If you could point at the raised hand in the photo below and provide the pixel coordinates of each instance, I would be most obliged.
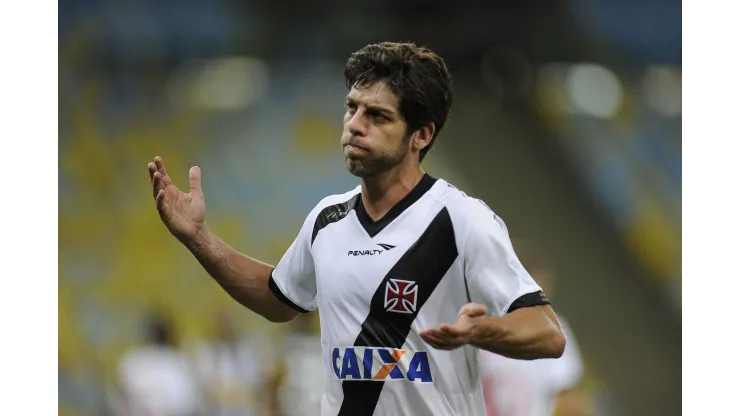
(451, 336)
(183, 213)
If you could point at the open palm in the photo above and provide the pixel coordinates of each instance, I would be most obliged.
(182, 213)
(449, 336)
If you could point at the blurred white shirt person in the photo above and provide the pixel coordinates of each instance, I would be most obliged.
(530, 388)
(543, 387)
(231, 370)
(156, 379)
(300, 387)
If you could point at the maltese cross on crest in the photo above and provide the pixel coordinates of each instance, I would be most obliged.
(400, 296)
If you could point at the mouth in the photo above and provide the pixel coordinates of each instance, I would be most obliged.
(354, 147)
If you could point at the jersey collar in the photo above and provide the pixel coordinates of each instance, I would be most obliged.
(374, 227)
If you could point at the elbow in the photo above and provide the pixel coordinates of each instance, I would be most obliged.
(280, 316)
(556, 345)
(278, 319)
(277, 315)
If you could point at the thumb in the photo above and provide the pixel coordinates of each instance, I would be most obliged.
(473, 310)
(194, 179)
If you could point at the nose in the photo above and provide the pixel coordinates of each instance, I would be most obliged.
(357, 124)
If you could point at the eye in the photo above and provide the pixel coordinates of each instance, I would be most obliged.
(380, 118)
(351, 108)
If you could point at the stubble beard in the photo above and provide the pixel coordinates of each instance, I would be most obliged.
(373, 165)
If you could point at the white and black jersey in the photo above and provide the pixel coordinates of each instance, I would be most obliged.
(378, 284)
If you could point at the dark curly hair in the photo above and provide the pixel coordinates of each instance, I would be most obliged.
(418, 77)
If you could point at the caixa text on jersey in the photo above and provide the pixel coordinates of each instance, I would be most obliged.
(380, 364)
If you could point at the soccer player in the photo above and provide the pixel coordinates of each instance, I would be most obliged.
(410, 275)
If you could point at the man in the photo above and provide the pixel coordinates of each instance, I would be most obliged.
(539, 387)
(299, 361)
(156, 379)
(231, 369)
(410, 275)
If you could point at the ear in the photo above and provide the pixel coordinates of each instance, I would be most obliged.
(423, 136)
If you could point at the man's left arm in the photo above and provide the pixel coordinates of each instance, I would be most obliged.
(508, 314)
(527, 333)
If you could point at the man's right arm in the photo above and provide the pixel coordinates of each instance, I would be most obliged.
(249, 281)
(243, 278)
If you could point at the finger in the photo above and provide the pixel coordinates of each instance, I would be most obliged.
(473, 310)
(453, 338)
(159, 197)
(159, 162)
(157, 184)
(194, 176)
(430, 333)
(434, 332)
(432, 340)
(427, 332)
(152, 168)
(438, 337)
(440, 343)
(160, 165)
(451, 330)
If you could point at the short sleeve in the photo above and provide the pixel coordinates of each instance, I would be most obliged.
(294, 279)
(493, 273)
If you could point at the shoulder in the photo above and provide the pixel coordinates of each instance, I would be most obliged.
(330, 209)
(466, 210)
(336, 203)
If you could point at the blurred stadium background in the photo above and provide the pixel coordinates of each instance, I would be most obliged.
(567, 122)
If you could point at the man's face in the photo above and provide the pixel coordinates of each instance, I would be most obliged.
(374, 138)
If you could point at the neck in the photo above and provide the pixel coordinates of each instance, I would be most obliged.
(381, 192)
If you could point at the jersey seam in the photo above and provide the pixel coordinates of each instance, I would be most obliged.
(321, 206)
(461, 250)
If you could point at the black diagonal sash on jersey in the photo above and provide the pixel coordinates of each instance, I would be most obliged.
(426, 262)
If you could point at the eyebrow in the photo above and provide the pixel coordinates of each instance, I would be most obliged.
(381, 109)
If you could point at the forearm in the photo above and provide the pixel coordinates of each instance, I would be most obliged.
(243, 278)
(527, 334)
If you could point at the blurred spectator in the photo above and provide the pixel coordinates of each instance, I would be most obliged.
(544, 387)
(155, 379)
(299, 381)
(230, 370)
